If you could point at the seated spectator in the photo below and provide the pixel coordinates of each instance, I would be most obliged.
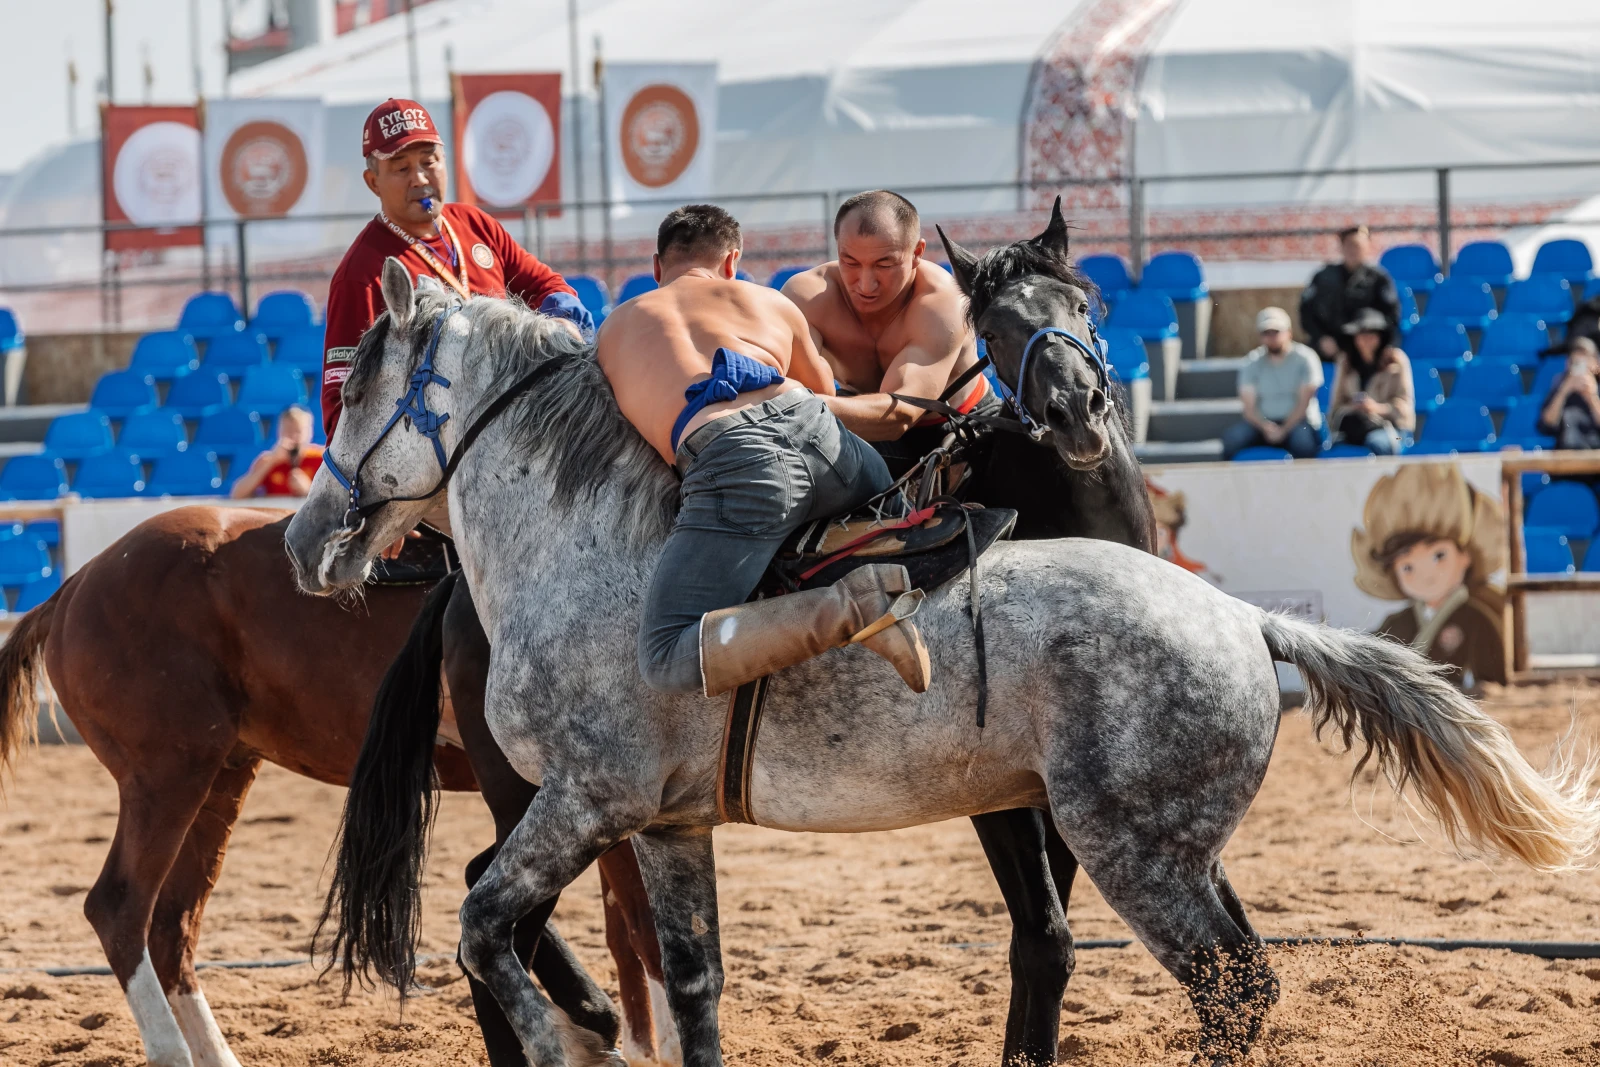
(1571, 413)
(1374, 400)
(285, 469)
(1341, 289)
(1279, 389)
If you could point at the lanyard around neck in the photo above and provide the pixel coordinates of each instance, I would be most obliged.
(459, 284)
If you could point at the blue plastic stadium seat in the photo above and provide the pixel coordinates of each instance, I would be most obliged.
(1109, 274)
(1566, 258)
(302, 350)
(781, 276)
(37, 592)
(1462, 425)
(1567, 507)
(232, 354)
(231, 432)
(283, 312)
(195, 394)
(114, 473)
(1413, 266)
(153, 434)
(11, 335)
(23, 560)
(47, 531)
(1261, 454)
(1125, 352)
(1428, 386)
(1497, 385)
(1521, 428)
(592, 294)
(1438, 343)
(165, 355)
(1462, 301)
(1545, 296)
(1591, 558)
(268, 390)
(638, 283)
(121, 393)
(1177, 274)
(186, 474)
(1484, 261)
(1343, 450)
(75, 436)
(37, 477)
(1150, 314)
(210, 315)
(1409, 315)
(1551, 370)
(743, 275)
(1548, 551)
(1518, 338)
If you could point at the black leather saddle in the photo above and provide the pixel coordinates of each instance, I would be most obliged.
(423, 561)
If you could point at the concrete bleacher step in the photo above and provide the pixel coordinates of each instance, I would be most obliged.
(28, 422)
(1154, 452)
(1209, 379)
(1193, 420)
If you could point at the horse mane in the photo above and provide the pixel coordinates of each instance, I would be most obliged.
(999, 267)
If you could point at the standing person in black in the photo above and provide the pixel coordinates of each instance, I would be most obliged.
(1340, 290)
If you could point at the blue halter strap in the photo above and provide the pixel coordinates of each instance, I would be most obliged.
(412, 407)
(1094, 349)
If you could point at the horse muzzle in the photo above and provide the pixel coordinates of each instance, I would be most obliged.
(1078, 429)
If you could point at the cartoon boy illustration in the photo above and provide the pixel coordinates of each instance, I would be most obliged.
(1432, 539)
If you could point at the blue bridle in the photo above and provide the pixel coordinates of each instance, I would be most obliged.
(1094, 349)
(412, 407)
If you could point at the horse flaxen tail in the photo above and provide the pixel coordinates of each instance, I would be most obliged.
(21, 669)
(1425, 733)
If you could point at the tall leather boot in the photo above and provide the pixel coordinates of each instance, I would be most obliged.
(871, 606)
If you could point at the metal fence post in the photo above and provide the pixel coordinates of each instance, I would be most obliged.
(527, 227)
(538, 223)
(1136, 226)
(244, 271)
(1444, 219)
(827, 226)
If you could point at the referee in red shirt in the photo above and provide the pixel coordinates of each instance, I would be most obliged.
(458, 246)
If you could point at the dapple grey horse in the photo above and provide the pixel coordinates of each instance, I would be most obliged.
(1132, 700)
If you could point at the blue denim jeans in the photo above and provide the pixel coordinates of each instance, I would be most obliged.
(749, 480)
(1302, 442)
(1383, 441)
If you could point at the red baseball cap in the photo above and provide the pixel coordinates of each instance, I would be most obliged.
(393, 125)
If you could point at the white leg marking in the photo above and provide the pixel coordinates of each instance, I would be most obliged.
(636, 1056)
(163, 1041)
(200, 1029)
(667, 1046)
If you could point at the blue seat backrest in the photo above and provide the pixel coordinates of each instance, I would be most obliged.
(1342, 450)
(1437, 340)
(37, 477)
(230, 432)
(1428, 386)
(1125, 350)
(1522, 426)
(1551, 370)
(115, 473)
(1546, 295)
(285, 310)
(1548, 551)
(164, 354)
(235, 351)
(153, 433)
(193, 393)
(1487, 380)
(77, 435)
(46, 530)
(781, 276)
(1566, 506)
(1520, 337)
(1486, 261)
(11, 335)
(1409, 316)
(37, 592)
(1411, 265)
(1459, 420)
(186, 474)
(1566, 257)
(120, 393)
(1109, 274)
(210, 314)
(1178, 274)
(591, 292)
(1461, 298)
(1261, 454)
(1148, 312)
(268, 390)
(301, 349)
(639, 283)
(22, 559)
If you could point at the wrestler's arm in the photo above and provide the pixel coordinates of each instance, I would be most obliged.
(806, 364)
(921, 369)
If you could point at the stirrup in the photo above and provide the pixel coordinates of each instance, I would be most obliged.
(904, 607)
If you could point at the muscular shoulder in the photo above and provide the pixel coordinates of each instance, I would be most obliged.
(809, 288)
(938, 308)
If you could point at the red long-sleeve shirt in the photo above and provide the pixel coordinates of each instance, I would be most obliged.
(496, 266)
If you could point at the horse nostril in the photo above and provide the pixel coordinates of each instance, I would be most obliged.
(1056, 414)
(1097, 403)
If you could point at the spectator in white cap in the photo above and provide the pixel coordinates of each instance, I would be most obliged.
(1278, 387)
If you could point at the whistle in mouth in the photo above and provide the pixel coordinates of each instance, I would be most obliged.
(427, 203)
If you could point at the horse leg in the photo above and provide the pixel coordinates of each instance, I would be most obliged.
(631, 934)
(1042, 959)
(508, 794)
(175, 922)
(638, 1034)
(680, 873)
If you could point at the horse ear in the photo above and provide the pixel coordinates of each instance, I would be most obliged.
(1054, 237)
(398, 296)
(963, 264)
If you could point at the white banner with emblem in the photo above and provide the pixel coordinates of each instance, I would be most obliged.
(264, 160)
(661, 131)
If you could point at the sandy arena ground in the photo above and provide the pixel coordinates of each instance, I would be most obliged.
(871, 949)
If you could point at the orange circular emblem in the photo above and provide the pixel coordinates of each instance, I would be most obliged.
(660, 134)
(263, 169)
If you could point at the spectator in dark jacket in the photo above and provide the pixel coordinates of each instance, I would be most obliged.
(1340, 290)
(1571, 413)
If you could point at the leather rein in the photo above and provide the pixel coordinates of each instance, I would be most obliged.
(413, 408)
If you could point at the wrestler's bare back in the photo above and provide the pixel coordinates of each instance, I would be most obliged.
(656, 345)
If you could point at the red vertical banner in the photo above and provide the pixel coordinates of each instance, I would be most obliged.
(151, 157)
(507, 133)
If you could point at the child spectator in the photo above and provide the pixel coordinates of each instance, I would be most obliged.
(1571, 411)
(1374, 400)
(285, 469)
(1278, 387)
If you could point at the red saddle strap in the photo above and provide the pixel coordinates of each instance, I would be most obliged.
(916, 518)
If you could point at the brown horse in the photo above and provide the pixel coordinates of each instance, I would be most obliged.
(184, 656)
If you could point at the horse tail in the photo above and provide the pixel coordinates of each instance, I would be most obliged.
(1425, 733)
(374, 901)
(21, 669)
